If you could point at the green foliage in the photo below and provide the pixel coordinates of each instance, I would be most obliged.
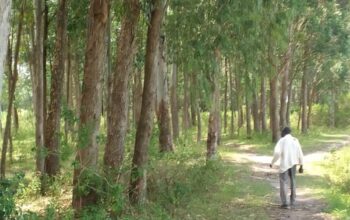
(89, 181)
(8, 190)
(338, 169)
(320, 113)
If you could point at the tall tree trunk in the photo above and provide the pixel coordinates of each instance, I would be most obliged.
(274, 108)
(45, 50)
(248, 116)
(332, 109)
(7, 131)
(214, 115)
(15, 117)
(263, 105)
(138, 178)
(12, 80)
(255, 112)
(232, 105)
(239, 103)
(117, 111)
(284, 99)
(226, 96)
(174, 107)
(163, 107)
(193, 99)
(290, 91)
(77, 86)
(310, 99)
(69, 87)
(303, 97)
(52, 129)
(199, 122)
(5, 12)
(137, 95)
(11, 145)
(186, 114)
(248, 103)
(90, 112)
(39, 85)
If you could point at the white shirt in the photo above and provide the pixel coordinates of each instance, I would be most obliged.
(288, 150)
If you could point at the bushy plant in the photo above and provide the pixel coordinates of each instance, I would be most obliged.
(8, 190)
(339, 169)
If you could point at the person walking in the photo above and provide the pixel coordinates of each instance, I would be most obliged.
(288, 150)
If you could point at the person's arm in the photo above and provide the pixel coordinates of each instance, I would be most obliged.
(276, 154)
(300, 158)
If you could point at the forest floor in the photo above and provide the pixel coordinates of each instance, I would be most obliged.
(310, 203)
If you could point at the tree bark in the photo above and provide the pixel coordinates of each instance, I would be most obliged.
(284, 99)
(117, 112)
(5, 12)
(310, 99)
(274, 121)
(193, 99)
(77, 86)
(186, 114)
(39, 86)
(225, 96)
(214, 115)
(90, 112)
(290, 91)
(15, 117)
(232, 105)
(52, 129)
(199, 122)
(138, 178)
(263, 104)
(137, 96)
(68, 88)
(255, 110)
(12, 80)
(303, 97)
(248, 121)
(163, 107)
(248, 105)
(45, 50)
(239, 103)
(174, 107)
(332, 109)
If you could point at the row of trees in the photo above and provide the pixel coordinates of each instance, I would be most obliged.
(247, 63)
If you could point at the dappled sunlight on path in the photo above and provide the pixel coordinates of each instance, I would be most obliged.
(309, 205)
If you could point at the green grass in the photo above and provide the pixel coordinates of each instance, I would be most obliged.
(180, 185)
(336, 171)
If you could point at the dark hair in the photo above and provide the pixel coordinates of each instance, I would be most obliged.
(286, 131)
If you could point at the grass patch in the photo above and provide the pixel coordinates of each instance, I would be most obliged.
(337, 169)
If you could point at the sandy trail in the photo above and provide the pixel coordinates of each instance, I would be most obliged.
(308, 205)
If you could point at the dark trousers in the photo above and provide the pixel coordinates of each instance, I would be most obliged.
(284, 177)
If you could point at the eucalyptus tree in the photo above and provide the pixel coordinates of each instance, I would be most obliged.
(118, 102)
(323, 56)
(174, 102)
(162, 99)
(12, 74)
(52, 128)
(38, 84)
(84, 193)
(5, 11)
(138, 177)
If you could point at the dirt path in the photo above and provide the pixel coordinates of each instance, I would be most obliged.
(308, 205)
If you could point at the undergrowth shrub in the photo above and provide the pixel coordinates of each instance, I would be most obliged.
(8, 190)
(339, 169)
(176, 179)
(338, 173)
